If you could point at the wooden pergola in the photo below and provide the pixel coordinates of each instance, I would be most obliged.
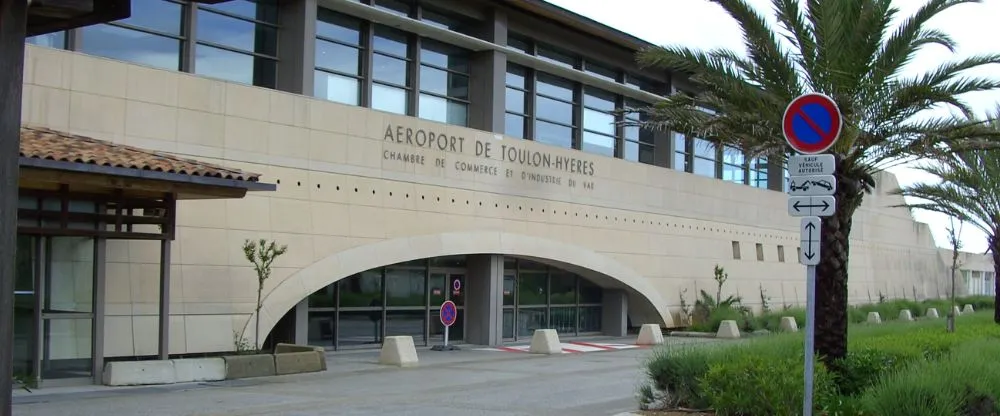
(18, 20)
(135, 192)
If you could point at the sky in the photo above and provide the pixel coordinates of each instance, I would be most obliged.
(704, 25)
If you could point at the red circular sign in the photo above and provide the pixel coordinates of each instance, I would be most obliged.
(449, 313)
(812, 123)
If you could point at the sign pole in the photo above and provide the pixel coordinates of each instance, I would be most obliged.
(807, 405)
(446, 336)
(811, 125)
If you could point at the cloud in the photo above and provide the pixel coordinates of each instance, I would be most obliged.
(704, 25)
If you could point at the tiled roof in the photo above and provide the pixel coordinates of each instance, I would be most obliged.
(43, 143)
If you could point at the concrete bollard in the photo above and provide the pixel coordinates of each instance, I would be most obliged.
(955, 311)
(968, 309)
(874, 318)
(728, 329)
(545, 341)
(905, 315)
(650, 334)
(398, 351)
(788, 324)
(932, 313)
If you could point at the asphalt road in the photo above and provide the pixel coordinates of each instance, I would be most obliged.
(461, 383)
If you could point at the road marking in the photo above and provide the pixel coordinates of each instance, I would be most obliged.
(572, 347)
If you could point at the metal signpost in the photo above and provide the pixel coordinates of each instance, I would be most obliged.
(811, 125)
(449, 313)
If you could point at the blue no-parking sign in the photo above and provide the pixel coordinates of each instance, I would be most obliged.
(812, 123)
(449, 313)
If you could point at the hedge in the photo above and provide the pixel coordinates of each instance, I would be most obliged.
(763, 376)
(888, 310)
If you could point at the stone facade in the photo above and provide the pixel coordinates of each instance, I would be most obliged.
(359, 188)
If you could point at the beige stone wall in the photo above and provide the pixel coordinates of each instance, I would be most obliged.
(341, 206)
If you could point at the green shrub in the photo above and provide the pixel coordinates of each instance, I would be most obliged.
(674, 372)
(978, 302)
(964, 382)
(756, 385)
(715, 318)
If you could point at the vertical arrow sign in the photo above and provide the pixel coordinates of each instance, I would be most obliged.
(809, 240)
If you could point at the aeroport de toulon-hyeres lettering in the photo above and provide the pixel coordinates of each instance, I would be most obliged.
(506, 153)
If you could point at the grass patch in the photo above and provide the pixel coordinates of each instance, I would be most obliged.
(882, 374)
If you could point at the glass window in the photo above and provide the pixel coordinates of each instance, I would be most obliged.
(397, 7)
(514, 125)
(515, 100)
(554, 87)
(405, 286)
(389, 70)
(454, 23)
(238, 41)
(338, 58)
(638, 152)
(758, 172)
(704, 167)
(363, 290)
(517, 76)
(324, 298)
(150, 36)
(55, 40)
(444, 83)
(557, 57)
(133, 46)
(553, 110)
(606, 73)
(442, 110)
(733, 164)
(599, 122)
(563, 287)
(155, 15)
(598, 144)
(553, 134)
(336, 27)
(444, 56)
(532, 284)
(519, 43)
(389, 99)
(391, 42)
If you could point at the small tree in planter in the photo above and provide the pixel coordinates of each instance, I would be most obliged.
(261, 254)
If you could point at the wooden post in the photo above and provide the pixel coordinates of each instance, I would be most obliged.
(13, 20)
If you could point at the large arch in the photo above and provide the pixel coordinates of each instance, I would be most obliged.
(358, 259)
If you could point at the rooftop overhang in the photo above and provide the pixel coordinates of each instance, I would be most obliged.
(42, 174)
(51, 160)
(47, 16)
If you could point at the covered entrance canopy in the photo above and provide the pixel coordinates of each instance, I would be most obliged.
(75, 186)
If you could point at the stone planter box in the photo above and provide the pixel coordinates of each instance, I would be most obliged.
(287, 359)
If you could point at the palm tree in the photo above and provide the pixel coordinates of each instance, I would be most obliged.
(970, 191)
(847, 50)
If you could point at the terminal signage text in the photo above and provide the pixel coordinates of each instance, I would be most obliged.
(507, 153)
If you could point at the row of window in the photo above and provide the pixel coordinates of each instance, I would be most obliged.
(363, 63)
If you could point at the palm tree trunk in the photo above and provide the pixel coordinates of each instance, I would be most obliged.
(995, 247)
(831, 273)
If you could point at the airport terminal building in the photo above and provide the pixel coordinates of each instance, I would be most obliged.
(408, 153)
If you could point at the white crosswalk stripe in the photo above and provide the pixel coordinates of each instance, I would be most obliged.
(568, 347)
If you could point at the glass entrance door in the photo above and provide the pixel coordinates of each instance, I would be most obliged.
(67, 310)
(446, 285)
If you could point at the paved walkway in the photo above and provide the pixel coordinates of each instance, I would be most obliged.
(466, 382)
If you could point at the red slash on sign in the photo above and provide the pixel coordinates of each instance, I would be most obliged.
(812, 123)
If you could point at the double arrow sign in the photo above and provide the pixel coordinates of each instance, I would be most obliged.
(811, 186)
